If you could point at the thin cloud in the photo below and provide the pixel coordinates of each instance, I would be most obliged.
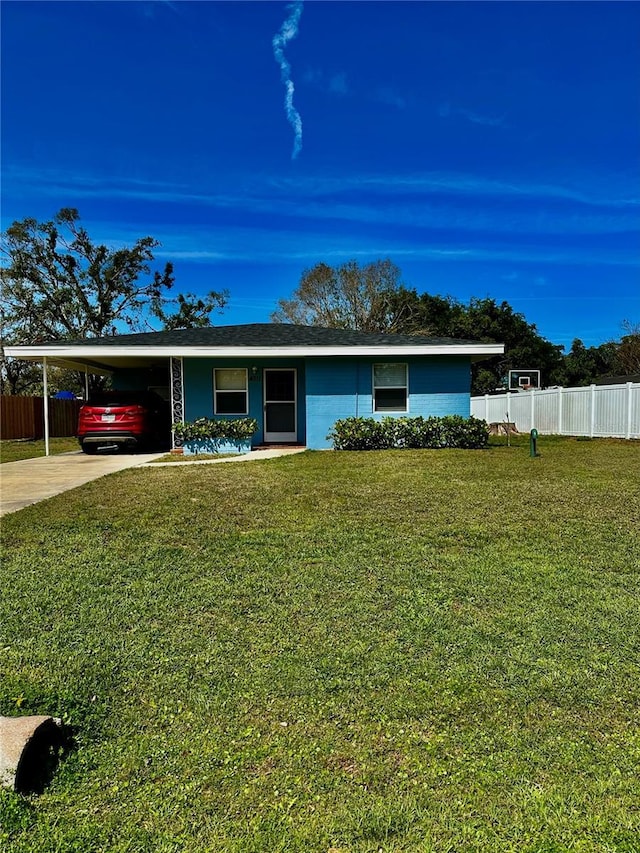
(447, 111)
(290, 246)
(496, 209)
(421, 187)
(289, 31)
(338, 84)
(197, 244)
(477, 118)
(26, 176)
(150, 8)
(260, 244)
(332, 84)
(314, 76)
(212, 245)
(456, 184)
(387, 95)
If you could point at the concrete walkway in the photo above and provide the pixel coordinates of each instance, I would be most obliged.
(252, 456)
(32, 480)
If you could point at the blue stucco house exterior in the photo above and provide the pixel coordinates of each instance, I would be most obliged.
(296, 381)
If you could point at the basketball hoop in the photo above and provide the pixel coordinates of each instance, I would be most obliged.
(524, 379)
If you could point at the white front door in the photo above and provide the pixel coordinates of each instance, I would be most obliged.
(280, 405)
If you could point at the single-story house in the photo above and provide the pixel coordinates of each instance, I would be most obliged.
(296, 381)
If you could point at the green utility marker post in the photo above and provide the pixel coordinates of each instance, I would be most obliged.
(533, 441)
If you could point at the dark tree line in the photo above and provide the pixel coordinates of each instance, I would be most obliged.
(373, 298)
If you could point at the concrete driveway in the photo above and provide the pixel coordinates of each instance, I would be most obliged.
(31, 480)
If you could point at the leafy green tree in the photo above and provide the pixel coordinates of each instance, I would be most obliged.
(583, 365)
(524, 347)
(18, 377)
(57, 284)
(481, 320)
(424, 313)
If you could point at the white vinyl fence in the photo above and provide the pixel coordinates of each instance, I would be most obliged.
(597, 410)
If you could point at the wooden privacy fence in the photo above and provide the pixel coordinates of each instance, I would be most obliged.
(23, 417)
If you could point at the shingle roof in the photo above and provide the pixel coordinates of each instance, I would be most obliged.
(255, 340)
(261, 335)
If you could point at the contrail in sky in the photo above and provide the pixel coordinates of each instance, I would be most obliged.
(289, 30)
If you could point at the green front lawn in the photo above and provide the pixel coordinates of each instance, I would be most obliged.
(15, 450)
(394, 651)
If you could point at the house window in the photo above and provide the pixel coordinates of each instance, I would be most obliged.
(390, 388)
(230, 395)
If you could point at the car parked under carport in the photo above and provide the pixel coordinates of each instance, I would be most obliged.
(124, 420)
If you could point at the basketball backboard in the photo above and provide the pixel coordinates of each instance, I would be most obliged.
(523, 380)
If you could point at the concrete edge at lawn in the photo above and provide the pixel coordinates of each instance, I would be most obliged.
(252, 456)
(29, 481)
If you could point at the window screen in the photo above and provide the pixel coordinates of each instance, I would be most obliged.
(389, 387)
(230, 391)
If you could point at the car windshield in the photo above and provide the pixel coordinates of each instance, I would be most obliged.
(123, 398)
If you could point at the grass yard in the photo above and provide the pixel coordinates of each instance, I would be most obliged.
(14, 450)
(356, 652)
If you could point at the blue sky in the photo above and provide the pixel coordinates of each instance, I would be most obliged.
(488, 149)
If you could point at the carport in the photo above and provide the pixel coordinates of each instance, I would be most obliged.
(104, 361)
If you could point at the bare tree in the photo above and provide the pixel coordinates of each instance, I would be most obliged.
(628, 355)
(348, 296)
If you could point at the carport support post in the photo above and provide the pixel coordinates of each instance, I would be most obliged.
(45, 392)
(86, 384)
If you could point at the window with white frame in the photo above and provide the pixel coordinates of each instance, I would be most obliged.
(390, 388)
(230, 391)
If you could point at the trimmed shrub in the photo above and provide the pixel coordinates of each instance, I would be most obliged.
(238, 428)
(432, 433)
(359, 434)
(466, 433)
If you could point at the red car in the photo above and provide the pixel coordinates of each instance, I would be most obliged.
(124, 420)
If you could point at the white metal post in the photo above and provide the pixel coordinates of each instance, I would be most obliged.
(86, 384)
(593, 411)
(486, 408)
(629, 408)
(45, 391)
(533, 408)
(560, 411)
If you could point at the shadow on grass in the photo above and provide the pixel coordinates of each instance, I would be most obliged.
(42, 755)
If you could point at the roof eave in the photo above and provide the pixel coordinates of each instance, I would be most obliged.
(96, 353)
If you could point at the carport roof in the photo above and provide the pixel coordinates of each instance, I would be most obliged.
(250, 340)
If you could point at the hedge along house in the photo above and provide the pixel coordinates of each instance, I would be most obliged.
(296, 381)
